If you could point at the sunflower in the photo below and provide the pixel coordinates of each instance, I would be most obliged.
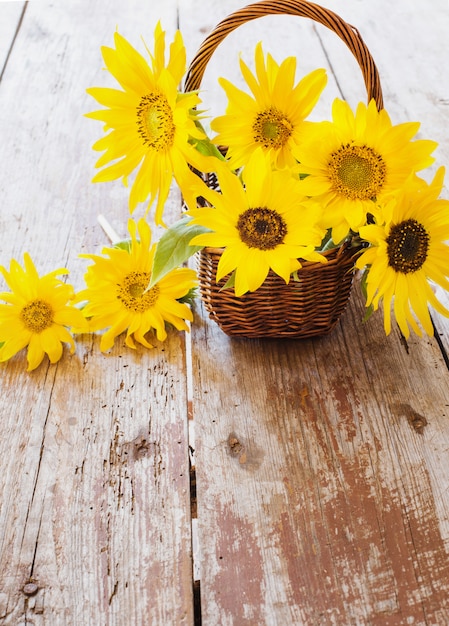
(37, 314)
(407, 251)
(150, 122)
(118, 297)
(358, 158)
(262, 224)
(273, 117)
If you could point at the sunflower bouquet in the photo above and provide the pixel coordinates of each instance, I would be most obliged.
(284, 195)
(287, 193)
(281, 211)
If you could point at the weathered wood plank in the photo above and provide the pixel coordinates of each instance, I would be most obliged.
(97, 515)
(10, 16)
(442, 323)
(328, 506)
(319, 502)
(94, 479)
(322, 498)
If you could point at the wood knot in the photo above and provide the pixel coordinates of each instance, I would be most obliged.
(142, 448)
(235, 447)
(417, 422)
(30, 589)
(248, 455)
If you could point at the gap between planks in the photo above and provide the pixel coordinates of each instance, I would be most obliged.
(114, 238)
(193, 497)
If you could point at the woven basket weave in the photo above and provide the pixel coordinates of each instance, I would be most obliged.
(313, 304)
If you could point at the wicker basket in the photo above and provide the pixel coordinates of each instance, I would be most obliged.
(313, 304)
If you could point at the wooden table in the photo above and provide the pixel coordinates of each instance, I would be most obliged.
(321, 467)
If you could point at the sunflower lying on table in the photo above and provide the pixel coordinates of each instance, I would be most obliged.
(38, 313)
(289, 189)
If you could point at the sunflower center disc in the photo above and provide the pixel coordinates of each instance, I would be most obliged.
(37, 316)
(131, 292)
(261, 228)
(357, 172)
(407, 246)
(155, 121)
(272, 128)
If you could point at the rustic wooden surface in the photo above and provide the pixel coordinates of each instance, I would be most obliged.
(95, 487)
(322, 467)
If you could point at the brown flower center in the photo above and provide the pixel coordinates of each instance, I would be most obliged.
(407, 246)
(357, 172)
(131, 292)
(155, 121)
(261, 228)
(272, 128)
(37, 316)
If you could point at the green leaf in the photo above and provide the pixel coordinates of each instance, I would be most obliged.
(126, 245)
(207, 148)
(368, 312)
(190, 296)
(185, 94)
(295, 276)
(230, 282)
(327, 242)
(173, 248)
(363, 284)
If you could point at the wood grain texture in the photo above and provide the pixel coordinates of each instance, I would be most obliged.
(94, 479)
(442, 323)
(322, 465)
(10, 16)
(336, 504)
(95, 507)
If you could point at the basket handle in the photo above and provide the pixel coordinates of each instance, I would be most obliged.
(302, 8)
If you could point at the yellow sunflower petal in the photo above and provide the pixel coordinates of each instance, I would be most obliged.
(150, 123)
(407, 253)
(35, 354)
(14, 345)
(117, 294)
(269, 118)
(359, 156)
